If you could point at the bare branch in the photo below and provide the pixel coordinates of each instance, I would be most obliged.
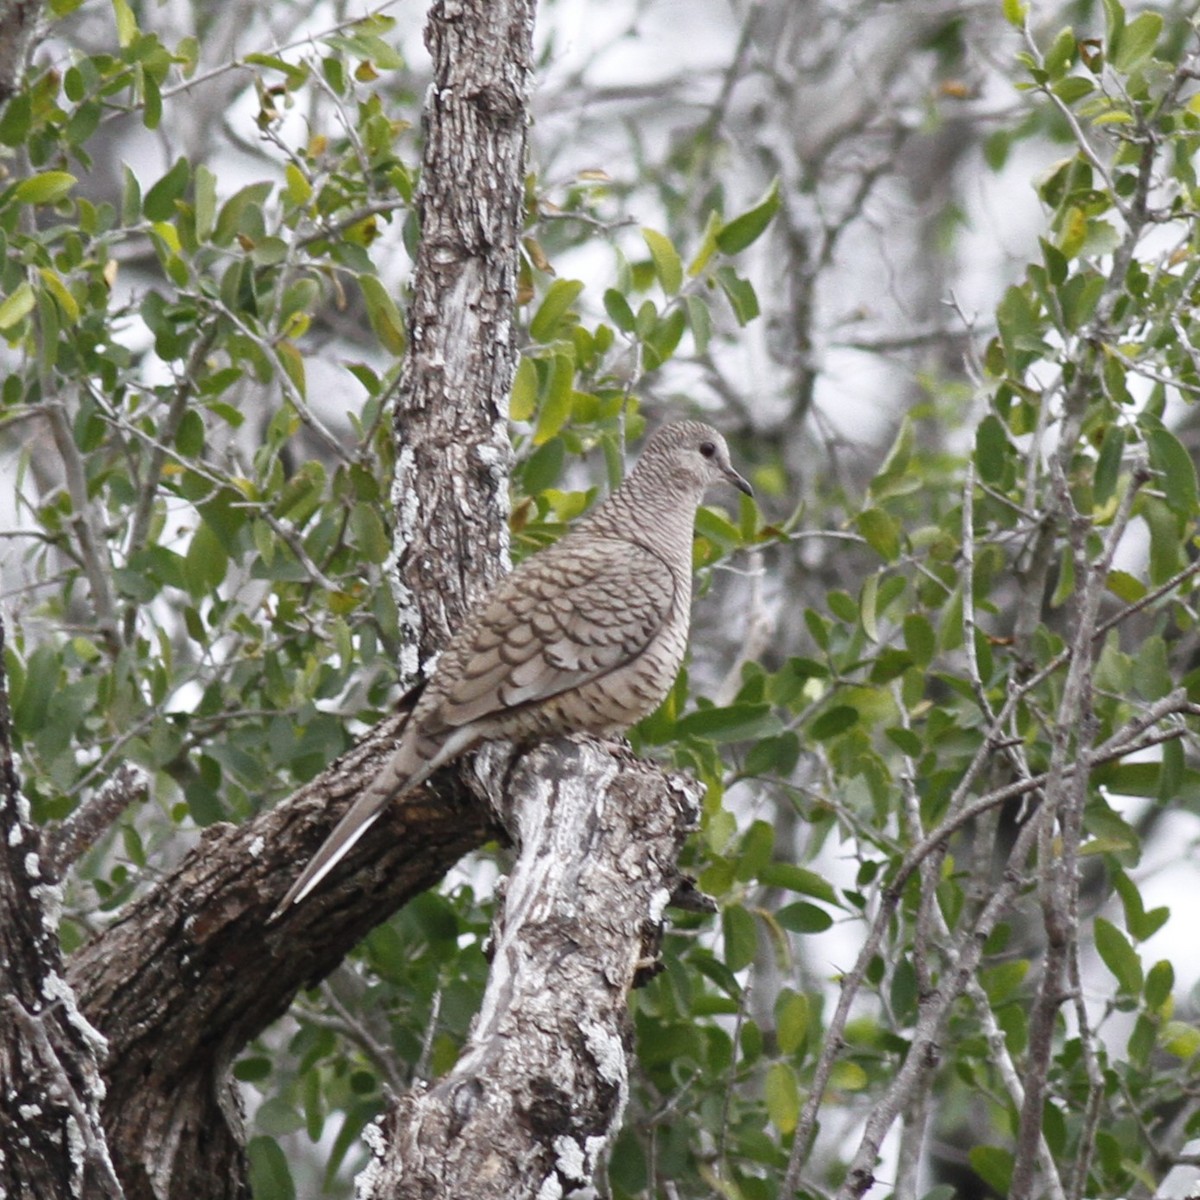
(66, 841)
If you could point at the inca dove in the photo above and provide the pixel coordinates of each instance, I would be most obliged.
(586, 636)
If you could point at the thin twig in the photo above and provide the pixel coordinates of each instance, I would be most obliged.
(277, 51)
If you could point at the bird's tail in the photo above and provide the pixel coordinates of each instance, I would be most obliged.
(361, 815)
(413, 762)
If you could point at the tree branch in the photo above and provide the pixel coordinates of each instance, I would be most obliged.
(65, 842)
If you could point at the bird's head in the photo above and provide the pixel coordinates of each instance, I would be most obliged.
(691, 454)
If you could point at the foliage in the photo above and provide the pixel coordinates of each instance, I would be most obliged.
(934, 766)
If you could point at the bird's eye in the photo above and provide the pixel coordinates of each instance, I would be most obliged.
(708, 449)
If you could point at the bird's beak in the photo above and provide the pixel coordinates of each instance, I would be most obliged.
(738, 482)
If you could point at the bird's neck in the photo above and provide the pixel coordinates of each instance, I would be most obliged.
(659, 518)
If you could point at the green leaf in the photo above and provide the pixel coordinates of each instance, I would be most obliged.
(802, 917)
(523, 403)
(237, 208)
(866, 607)
(151, 101)
(708, 245)
(667, 264)
(205, 563)
(131, 196)
(47, 187)
(661, 340)
(127, 28)
(1136, 41)
(1166, 538)
(270, 1176)
(1003, 981)
(993, 1165)
(554, 308)
(1017, 320)
(736, 723)
(300, 296)
(1062, 53)
(253, 1069)
(1014, 12)
(556, 405)
(1160, 982)
(31, 700)
(189, 437)
(1180, 1039)
(740, 294)
(747, 228)
(618, 310)
(1108, 465)
(544, 467)
(1119, 956)
(781, 1094)
(848, 1076)
(792, 1016)
(16, 116)
(1172, 776)
(774, 755)
(159, 202)
(299, 190)
(741, 937)
(205, 188)
(383, 314)
(369, 533)
(1170, 458)
(16, 307)
(757, 845)
(919, 639)
(890, 479)
(833, 721)
(991, 449)
(292, 362)
(797, 879)
(1125, 586)
(1140, 923)
(714, 527)
(700, 320)
(882, 532)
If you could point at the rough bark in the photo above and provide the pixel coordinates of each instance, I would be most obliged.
(191, 971)
(52, 1141)
(453, 454)
(540, 1088)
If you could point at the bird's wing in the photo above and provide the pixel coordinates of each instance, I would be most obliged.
(563, 618)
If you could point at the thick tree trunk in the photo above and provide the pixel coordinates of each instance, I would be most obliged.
(52, 1141)
(540, 1089)
(453, 451)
